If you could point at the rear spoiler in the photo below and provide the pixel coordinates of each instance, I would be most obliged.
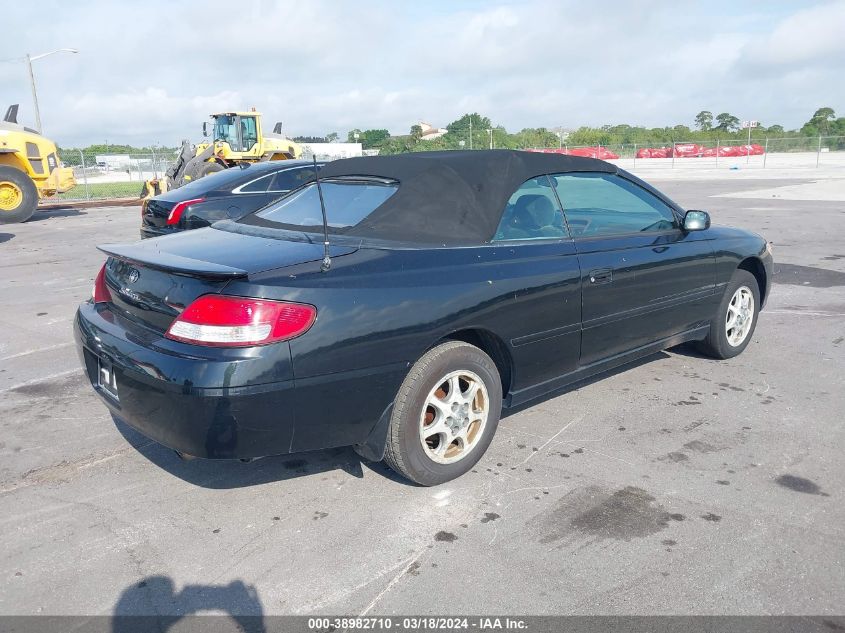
(162, 260)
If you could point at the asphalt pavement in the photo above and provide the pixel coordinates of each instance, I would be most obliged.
(680, 485)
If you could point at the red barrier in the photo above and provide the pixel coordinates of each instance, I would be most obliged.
(694, 150)
(687, 150)
(602, 153)
(654, 152)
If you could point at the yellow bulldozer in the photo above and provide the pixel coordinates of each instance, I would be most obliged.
(30, 169)
(234, 138)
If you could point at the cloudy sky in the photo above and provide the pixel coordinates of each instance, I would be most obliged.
(151, 72)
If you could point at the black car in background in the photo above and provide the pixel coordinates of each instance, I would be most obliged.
(225, 195)
(457, 284)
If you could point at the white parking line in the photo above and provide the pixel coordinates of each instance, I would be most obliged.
(552, 438)
(36, 351)
(35, 381)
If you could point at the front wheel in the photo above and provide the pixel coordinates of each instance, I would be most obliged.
(445, 414)
(732, 327)
(18, 196)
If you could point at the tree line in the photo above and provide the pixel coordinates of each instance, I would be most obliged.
(474, 131)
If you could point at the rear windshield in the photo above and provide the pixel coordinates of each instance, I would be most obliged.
(227, 178)
(347, 204)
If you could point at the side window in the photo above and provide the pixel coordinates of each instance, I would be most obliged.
(605, 204)
(347, 204)
(256, 186)
(532, 213)
(249, 133)
(290, 179)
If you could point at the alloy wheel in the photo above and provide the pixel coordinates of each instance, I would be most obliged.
(454, 416)
(740, 316)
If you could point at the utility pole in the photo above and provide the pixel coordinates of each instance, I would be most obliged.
(470, 132)
(29, 60)
(34, 93)
(490, 130)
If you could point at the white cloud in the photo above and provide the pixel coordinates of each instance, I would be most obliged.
(325, 66)
(810, 37)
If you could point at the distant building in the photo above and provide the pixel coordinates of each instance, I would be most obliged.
(429, 132)
(331, 151)
(112, 162)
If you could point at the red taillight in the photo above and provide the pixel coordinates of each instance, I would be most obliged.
(101, 292)
(221, 321)
(177, 211)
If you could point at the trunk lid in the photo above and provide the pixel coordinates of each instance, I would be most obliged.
(154, 296)
(152, 281)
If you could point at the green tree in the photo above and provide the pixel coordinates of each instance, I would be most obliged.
(350, 136)
(474, 123)
(527, 137)
(821, 120)
(332, 137)
(374, 139)
(416, 133)
(704, 120)
(681, 133)
(727, 122)
(369, 139)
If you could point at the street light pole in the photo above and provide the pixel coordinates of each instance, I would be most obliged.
(34, 93)
(490, 130)
(29, 60)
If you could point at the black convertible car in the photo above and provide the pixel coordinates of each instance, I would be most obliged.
(228, 194)
(456, 284)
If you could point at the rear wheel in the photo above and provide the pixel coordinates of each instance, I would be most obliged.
(733, 326)
(18, 196)
(445, 414)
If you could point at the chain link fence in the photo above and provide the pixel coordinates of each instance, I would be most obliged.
(111, 176)
(114, 176)
(802, 152)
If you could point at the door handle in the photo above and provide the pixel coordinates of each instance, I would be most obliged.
(601, 276)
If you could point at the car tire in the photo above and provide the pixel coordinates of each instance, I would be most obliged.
(741, 301)
(445, 414)
(18, 196)
(209, 168)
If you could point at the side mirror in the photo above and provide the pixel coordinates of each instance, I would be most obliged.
(205, 129)
(696, 221)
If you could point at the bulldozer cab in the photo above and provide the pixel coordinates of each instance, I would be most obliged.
(241, 131)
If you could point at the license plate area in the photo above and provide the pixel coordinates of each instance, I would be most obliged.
(106, 380)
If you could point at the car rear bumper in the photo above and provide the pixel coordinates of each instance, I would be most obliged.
(157, 231)
(167, 395)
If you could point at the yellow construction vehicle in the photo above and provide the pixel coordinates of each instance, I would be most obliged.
(30, 169)
(235, 138)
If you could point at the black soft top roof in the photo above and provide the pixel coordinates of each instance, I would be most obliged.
(450, 197)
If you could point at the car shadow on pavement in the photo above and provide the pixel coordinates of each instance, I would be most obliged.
(227, 474)
(690, 351)
(230, 473)
(5, 237)
(55, 212)
(586, 381)
(152, 604)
